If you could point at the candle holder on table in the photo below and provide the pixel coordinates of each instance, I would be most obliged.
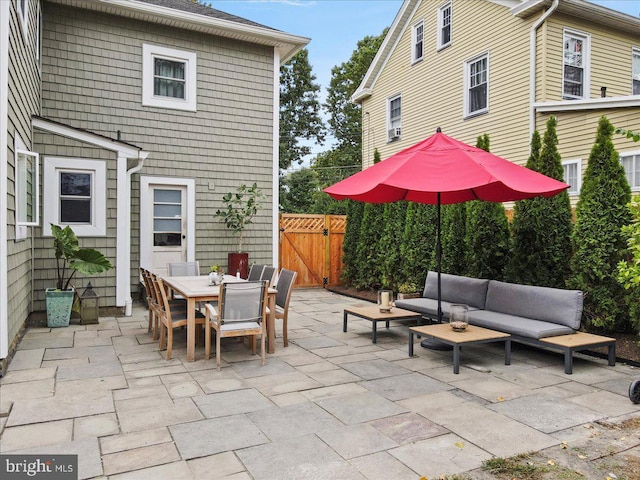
(385, 300)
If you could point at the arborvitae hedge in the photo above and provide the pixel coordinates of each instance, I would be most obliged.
(597, 239)
(391, 262)
(542, 227)
(418, 242)
(453, 239)
(487, 235)
(367, 252)
(350, 241)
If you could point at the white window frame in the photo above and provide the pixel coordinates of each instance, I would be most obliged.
(393, 122)
(635, 179)
(414, 41)
(149, 54)
(578, 164)
(51, 197)
(441, 11)
(467, 85)
(586, 63)
(23, 16)
(21, 230)
(635, 53)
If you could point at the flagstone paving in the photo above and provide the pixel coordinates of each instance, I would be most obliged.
(332, 405)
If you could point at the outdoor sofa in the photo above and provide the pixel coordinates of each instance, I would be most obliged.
(533, 315)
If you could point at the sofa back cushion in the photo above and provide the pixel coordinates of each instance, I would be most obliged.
(456, 289)
(563, 307)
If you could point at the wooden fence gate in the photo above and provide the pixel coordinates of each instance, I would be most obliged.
(312, 246)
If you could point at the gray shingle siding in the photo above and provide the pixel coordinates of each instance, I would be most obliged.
(92, 79)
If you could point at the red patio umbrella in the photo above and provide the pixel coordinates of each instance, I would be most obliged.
(443, 170)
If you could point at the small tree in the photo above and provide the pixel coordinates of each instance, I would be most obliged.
(368, 271)
(454, 252)
(597, 239)
(418, 242)
(487, 234)
(629, 270)
(240, 208)
(391, 261)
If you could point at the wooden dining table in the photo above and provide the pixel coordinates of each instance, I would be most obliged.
(196, 289)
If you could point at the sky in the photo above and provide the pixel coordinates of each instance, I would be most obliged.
(336, 26)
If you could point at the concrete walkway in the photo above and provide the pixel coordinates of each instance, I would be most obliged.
(330, 406)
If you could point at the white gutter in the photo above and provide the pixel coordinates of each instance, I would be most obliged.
(4, 113)
(532, 64)
(276, 159)
(123, 228)
(587, 104)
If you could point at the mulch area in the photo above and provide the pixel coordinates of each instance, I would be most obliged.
(627, 344)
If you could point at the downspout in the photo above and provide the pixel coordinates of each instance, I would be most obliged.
(275, 219)
(136, 168)
(532, 63)
(5, 11)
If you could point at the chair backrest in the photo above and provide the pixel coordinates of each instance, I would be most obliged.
(285, 285)
(243, 301)
(255, 272)
(268, 274)
(144, 274)
(184, 269)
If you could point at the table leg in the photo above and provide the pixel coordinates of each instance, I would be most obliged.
(507, 351)
(410, 343)
(375, 331)
(191, 329)
(612, 355)
(344, 322)
(456, 358)
(271, 325)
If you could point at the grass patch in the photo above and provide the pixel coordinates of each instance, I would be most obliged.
(519, 467)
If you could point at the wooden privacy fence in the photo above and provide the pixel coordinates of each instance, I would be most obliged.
(312, 246)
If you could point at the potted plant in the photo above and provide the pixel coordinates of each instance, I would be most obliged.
(240, 208)
(70, 258)
(216, 275)
(408, 290)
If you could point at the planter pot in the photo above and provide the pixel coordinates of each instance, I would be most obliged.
(59, 304)
(238, 261)
(406, 296)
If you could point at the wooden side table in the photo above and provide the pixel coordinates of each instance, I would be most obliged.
(580, 341)
(374, 315)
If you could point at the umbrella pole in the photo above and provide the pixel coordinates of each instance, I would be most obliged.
(433, 343)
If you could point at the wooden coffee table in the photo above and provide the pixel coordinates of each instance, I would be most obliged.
(473, 334)
(374, 315)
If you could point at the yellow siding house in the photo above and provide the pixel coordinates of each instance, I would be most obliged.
(502, 67)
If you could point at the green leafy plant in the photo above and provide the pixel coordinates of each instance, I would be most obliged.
(70, 258)
(215, 268)
(629, 270)
(240, 208)
(407, 287)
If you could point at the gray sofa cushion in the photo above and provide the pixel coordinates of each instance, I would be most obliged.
(515, 325)
(456, 289)
(563, 307)
(426, 306)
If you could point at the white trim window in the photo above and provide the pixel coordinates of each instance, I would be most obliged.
(75, 192)
(394, 118)
(635, 71)
(476, 76)
(27, 189)
(22, 6)
(572, 175)
(575, 65)
(168, 78)
(417, 42)
(444, 25)
(631, 164)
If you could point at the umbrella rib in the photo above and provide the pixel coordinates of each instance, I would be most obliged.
(473, 191)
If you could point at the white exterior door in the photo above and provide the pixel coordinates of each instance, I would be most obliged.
(166, 223)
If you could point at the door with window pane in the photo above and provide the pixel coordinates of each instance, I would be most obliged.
(168, 226)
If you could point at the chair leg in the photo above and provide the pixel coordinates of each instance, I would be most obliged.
(262, 349)
(207, 341)
(163, 339)
(218, 350)
(253, 344)
(150, 320)
(285, 337)
(156, 327)
(169, 342)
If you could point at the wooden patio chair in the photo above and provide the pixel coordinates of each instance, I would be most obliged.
(255, 272)
(269, 274)
(286, 280)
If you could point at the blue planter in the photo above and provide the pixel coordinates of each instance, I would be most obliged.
(59, 303)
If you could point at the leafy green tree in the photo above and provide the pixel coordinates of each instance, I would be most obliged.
(629, 269)
(299, 110)
(369, 271)
(296, 191)
(487, 234)
(597, 238)
(542, 228)
(350, 242)
(418, 242)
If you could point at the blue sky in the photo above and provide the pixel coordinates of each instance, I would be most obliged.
(335, 26)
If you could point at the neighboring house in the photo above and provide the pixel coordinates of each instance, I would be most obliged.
(129, 120)
(502, 67)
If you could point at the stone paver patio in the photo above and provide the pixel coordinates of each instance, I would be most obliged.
(330, 406)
